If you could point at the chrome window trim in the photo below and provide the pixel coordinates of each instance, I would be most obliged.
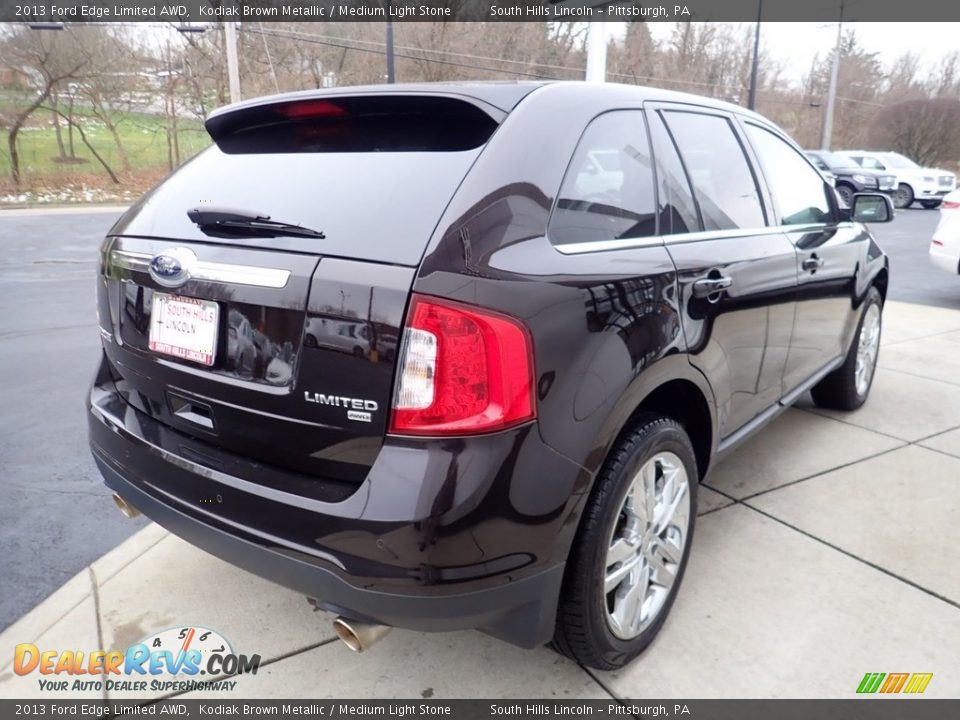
(700, 235)
(209, 271)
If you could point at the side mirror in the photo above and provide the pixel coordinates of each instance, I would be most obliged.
(871, 208)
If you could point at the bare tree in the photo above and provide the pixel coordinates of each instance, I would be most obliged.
(47, 60)
(111, 81)
(925, 130)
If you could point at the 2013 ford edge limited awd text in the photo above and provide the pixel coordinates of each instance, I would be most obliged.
(458, 356)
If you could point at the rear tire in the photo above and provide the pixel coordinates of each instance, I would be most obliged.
(624, 571)
(904, 197)
(847, 387)
(931, 204)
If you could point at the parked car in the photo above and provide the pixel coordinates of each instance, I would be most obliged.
(574, 357)
(914, 183)
(945, 245)
(849, 178)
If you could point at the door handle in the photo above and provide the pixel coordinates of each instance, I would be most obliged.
(812, 263)
(708, 286)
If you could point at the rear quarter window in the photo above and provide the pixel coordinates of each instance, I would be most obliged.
(607, 191)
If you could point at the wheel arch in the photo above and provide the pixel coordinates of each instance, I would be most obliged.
(673, 388)
(881, 281)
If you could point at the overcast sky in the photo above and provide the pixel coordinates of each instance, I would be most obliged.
(795, 44)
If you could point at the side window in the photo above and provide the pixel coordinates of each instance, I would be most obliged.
(607, 192)
(798, 190)
(677, 212)
(723, 182)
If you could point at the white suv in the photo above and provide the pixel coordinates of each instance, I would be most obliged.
(914, 183)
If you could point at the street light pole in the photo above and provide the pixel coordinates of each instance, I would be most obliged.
(233, 69)
(597, 52)
(827, 136)
(752, 98)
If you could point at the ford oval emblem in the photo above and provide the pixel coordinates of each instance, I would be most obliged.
(171, 268)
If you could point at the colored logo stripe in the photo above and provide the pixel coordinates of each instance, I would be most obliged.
(870, 682)
(918, 682)
(894, 682)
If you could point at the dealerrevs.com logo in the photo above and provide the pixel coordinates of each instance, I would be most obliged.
(173, 660)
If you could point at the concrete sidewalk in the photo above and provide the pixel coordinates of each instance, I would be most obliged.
(826, 549)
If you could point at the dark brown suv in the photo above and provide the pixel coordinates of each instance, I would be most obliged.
(457, 356)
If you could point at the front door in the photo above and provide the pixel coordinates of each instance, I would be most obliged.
(827, 254)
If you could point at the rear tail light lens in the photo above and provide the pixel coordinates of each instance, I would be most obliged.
(462, 370)
(951, 204)
(937, 243)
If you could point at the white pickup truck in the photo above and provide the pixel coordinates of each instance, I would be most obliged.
(914, 183)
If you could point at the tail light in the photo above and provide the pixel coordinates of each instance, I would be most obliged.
(462, 370)
(951, 204)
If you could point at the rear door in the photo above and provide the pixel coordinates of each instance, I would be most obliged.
(827, 252)
(737, 271)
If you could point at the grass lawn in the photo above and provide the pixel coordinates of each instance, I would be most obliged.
(143, 136)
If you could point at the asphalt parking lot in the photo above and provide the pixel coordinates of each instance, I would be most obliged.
(777, 544)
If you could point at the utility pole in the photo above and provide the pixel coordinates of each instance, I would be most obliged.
(233, 69)
(752, 98)
(391, 76)
(827, 135)
(596, 52)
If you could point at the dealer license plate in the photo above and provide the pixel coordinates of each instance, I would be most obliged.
(184, 327)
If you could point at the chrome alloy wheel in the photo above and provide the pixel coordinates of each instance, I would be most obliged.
(646, 545)
(868, 347)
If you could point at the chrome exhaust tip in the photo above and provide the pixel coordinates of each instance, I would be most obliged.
(128, 510)
(358, 635)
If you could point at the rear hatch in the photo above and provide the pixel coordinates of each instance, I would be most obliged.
(280, 345)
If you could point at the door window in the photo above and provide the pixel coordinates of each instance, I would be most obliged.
(723, 183)
(677, 211)
(798, 190)
(869, 162)
(607, 192)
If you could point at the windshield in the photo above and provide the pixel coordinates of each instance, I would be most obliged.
(896, 160)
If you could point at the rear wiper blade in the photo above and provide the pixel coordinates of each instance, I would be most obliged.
(227, 223)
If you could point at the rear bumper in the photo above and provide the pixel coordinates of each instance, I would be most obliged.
(444, 570)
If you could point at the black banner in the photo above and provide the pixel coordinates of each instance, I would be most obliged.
(858, 709)
(182, 11)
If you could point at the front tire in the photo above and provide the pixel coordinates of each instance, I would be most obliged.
(903, 197)
(847, 387)
(931, 204)
(846, 193)
(631, 549)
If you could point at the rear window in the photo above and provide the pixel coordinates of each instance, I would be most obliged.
(387, 123)
(373, 174)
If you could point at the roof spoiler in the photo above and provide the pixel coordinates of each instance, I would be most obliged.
(364, 121)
